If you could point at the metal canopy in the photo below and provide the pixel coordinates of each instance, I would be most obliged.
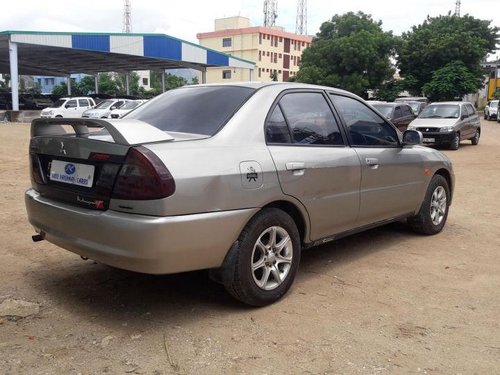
(61, 54)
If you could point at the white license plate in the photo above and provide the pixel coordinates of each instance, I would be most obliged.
(72, 173)
(429, 140)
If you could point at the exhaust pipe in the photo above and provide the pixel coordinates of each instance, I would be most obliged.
(38, 237)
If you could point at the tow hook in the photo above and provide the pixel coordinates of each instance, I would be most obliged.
(38, 237)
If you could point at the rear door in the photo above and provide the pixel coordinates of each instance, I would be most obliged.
(392, 178)
(313, 161)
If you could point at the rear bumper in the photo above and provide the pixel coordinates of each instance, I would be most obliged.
(148, 244)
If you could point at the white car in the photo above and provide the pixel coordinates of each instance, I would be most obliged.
(491, 110)
(126, 108)
(68, 107)
(104, 108)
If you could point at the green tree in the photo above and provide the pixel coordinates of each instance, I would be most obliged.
(351, 52)
(439, 42)
(451, 82)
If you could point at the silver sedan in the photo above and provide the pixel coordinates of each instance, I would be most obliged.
(232, 178)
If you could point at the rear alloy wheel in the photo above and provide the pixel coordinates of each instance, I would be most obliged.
(434, 210)
(262, 267)
(455, 142)
(475, 140)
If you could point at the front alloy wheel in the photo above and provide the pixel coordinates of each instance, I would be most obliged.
(438, 205)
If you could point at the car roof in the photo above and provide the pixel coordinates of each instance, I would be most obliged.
(450, 102)
(286, 85)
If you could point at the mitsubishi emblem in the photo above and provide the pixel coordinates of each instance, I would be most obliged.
(62, 150)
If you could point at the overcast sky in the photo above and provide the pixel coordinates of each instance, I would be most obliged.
(184, 18)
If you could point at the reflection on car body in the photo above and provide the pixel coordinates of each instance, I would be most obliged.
(239, 186)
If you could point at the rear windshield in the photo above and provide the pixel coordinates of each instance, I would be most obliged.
(198, 110)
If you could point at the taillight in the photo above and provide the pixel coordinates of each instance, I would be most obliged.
(36, 170)
(143, 176)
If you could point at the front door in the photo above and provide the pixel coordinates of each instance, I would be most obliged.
(392, 176)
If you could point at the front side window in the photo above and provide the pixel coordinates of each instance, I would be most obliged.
(366, 128)
(398, 113)
(71, 104)
(406, 110)
(83, 102)
(194, 109)
(309, 119)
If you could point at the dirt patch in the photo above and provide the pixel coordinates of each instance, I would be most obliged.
(385, 301)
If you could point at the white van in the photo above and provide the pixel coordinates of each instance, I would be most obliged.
(68, 107)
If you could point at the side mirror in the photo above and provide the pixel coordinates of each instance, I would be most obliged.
(412, 137)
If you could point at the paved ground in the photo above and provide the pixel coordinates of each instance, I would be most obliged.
(384, 302)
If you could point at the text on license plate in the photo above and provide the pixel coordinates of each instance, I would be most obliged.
(429, 140)
(72, 173)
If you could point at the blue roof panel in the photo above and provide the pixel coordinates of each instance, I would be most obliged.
(215, 58)
(91, 42)
(161, 46)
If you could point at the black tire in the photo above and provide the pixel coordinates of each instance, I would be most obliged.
(58, 116)
(238, 277)
(485, 116)
(426, 222)
(455, 143)
(475, 139)
(488, 117)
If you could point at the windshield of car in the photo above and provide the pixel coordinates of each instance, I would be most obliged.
(130, 105)
(441, 111)
(494, 103)
(414, 106)
(104, 104)
(385, 109)
(197, 110)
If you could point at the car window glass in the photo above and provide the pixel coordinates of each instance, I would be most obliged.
(310, 119)
(406, 110)
(83, 102)
(71, 104)
(366, 128)
(398, 113)
(470, 109)
(193, 109)
(276, 128)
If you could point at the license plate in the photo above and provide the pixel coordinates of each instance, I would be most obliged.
(72, 173)
(429, 140)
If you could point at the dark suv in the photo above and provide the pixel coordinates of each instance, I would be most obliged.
(400, 114)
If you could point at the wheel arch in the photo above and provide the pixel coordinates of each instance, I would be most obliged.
(296, 214)
(447, 176)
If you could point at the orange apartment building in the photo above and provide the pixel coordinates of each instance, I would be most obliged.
(275, 51)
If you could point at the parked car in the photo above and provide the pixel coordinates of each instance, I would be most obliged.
(448, 123)
(491, 110)
(104, 108)
(36, 101)
(6, 101)
(68, 107)
(233, 178)
(126, 108)
(400, 114)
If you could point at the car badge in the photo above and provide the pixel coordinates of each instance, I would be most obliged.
(62, 150)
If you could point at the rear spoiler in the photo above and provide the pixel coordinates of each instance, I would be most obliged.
(124, 132)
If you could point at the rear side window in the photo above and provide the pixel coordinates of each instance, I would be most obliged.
(309, 118)
(366, 128)
(197, 110)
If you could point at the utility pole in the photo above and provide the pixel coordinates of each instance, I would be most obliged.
(270, 12)
(301, 22)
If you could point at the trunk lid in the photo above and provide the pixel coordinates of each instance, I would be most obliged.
(76, 161)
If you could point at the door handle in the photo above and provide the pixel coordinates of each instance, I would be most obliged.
(372, 162)
(296, 167)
